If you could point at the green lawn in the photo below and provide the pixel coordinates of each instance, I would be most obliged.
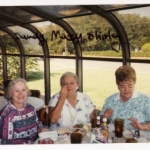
(98, 84)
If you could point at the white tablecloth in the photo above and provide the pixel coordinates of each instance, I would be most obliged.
(87, 138)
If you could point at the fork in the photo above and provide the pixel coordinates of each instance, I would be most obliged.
(136, 133)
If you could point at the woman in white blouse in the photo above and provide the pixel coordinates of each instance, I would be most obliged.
(69, 106)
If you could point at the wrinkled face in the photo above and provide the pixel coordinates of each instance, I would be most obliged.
(19, 92)
(71, 83)
(126, 89)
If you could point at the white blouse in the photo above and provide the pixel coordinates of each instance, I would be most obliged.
(70, 115)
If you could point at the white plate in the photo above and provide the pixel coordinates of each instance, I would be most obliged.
(50, 134)
(79, 130)
(62, 131)
(128, 134)
(86, 126)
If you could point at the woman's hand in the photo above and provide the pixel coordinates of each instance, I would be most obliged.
(108, 113)
(63, 92)
(136, 124)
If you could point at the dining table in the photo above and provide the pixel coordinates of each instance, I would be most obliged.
(89, 137)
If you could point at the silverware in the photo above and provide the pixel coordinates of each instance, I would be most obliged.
(136, 134)
(132, 133)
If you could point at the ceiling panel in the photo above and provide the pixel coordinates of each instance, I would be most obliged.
(64, 10)
(19, 14)
(22, 15)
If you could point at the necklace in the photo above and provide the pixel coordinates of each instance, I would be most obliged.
(72, 115)
(72, 110)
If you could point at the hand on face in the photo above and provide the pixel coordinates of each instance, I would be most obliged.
(108, 113)
(63, 92)
(69, 87)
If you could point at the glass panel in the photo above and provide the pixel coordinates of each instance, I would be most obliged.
(99, 80)
(143, 74)
(55, 37)
(19, 14)
(63, 10)
(35, 74)
(4, 23)
(57, 68)
(137, 26)
(10, 44)
(97, 36)
(29, 41)
(13, 67)
(109, 7)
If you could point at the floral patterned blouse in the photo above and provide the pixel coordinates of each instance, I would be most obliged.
(138, 106)
(71, 116)
(19, 126)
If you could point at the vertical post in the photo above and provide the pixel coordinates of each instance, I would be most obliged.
(66, 49)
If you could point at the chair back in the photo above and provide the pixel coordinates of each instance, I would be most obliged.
(37, 103)
(3, 102)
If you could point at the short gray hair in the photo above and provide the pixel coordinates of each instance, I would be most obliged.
(8, 92)
(68, 74)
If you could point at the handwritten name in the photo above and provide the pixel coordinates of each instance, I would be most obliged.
(78, 38)
(39, 36)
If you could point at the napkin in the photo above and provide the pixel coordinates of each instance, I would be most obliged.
(50, 134)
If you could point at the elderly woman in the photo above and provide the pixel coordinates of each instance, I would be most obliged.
(129, 104)
(19, 123)
(69, 106)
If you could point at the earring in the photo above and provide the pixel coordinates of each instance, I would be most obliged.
(76, 88)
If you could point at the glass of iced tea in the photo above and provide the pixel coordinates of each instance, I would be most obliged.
(119, 125)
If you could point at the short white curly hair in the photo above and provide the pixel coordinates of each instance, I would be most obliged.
(68, 74)
(8, 92)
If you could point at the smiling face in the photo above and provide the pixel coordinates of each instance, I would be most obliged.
(19, 93)
(126, 89)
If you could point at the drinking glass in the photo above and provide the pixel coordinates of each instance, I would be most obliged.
(76, 138)
(119, 125)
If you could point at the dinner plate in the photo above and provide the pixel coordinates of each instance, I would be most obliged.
(86, 126)
(79, 130)
(62, 131)
(49, 134)
(128, 134)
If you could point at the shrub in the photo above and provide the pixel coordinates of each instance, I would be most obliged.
(146, 47)
(35, 75)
